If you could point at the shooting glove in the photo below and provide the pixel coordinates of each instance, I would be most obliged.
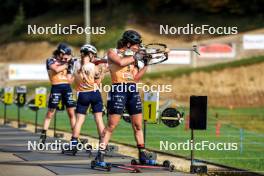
(138, 56)
(145, 61)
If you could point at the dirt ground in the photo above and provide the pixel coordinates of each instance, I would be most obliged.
(232, 87)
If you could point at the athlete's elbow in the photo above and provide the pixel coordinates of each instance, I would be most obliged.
(136, 78)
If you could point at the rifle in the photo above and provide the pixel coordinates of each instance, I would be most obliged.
(156, 53)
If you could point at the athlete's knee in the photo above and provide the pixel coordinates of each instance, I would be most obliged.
(110, 127)
(50, 113)
(137, 127)
(72, 116)
(71, 113)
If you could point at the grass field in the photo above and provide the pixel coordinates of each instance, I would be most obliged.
(243, 126)
(250, 145)
(187, 70)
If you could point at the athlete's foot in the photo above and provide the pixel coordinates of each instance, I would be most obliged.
(100, 156)
(73, 144)
(42, 139)
(146, 157)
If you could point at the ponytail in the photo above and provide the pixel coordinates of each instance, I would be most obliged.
(121, 43)
(56, 53)
(82, 59)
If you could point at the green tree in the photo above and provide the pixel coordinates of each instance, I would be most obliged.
(19, 22)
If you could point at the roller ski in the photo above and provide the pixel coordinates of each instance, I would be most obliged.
(102, 165)
(130, 168)
(99, 162)
(148, 160)
(108, 166)
(165, 165)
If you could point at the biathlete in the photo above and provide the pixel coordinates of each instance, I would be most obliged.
(87, 77)
(124, 75)
(59, 67)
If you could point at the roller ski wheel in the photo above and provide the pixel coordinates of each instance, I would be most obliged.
(93, 164)
(134, 162)
(171, 168)
(108, 167)
(166, 163)
(103, 165)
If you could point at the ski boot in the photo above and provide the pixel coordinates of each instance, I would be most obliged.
(147, 158)
(99, 162)
(42, 138)
(71, 148)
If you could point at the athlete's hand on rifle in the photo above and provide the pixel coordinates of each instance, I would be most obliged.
(138, 56)
(70, 64)
(145, 61)
(153, 53)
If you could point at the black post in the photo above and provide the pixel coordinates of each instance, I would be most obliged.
(145, 125)
(192, 145)
(18, 116)
(145, 132)
(55, 124)
(36, 121)
(5, 122)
